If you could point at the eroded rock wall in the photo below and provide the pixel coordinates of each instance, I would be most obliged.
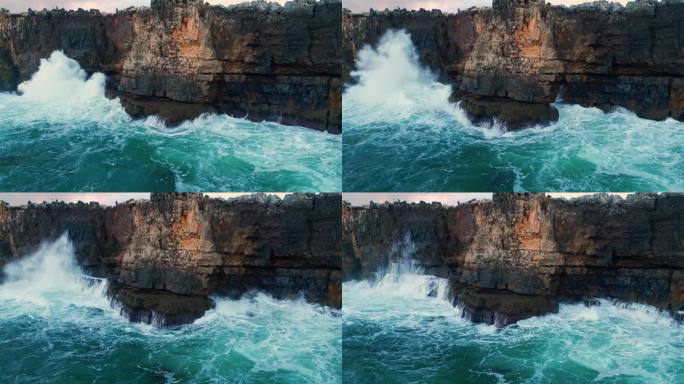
(167, 255)
(531, 53)
(521, 254)
(262, 61)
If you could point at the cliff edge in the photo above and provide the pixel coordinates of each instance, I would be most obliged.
(520, 255)
(180, 58)
(165, 257)
(511, 60)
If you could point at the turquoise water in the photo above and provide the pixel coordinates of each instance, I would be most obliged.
(394, 333)
(402, 134)
(62, 134)
(56, 326)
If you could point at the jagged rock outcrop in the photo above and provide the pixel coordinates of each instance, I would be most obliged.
(529, 53)
(180, 58)
(166, 256)
(519, 255)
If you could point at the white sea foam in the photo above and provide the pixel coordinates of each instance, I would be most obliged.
(402, 290)
(288, 335)
(51, 275)
(606, 343)
(61, 79)
(391, 83)
(424, 338)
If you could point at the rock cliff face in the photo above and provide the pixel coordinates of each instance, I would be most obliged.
(523, 55)
(164, 257)
(519, 255)
(180, 58)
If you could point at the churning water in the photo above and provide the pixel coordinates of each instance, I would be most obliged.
(401, 328)
(60, 133)
(402, 134)
(57, 326)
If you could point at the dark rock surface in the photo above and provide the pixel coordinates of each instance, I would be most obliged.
(178, 59)
(519, 255)
(164, 257)
(599, 54)
(512, 114)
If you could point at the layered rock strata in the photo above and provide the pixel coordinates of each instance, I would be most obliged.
(520, 255)
(165, 257)
(527, 54)
(178, 58)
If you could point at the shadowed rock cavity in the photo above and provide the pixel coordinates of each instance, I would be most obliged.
(511, 61)
(165, 257)
(179, 58)
(520, 255)
(512, 114)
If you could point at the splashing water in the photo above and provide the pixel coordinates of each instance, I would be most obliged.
(62, 134)
(58, 327)
(402, 328)
(51, 277)
(402, 134)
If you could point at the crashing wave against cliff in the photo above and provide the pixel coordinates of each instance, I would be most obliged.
(165, 257)
(180, 58)
(521, 255)
(522, 55)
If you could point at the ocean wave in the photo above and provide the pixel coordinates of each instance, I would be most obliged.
(60, 133)
(401, 133)
(59, 327)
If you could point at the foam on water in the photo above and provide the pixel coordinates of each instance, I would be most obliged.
(401, 133)
(398, 333)
(57, 324)
(284, 335)
(60, 133)
(400, 327)
(51, 276)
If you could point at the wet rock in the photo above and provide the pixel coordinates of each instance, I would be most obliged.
(169, 112)
(9, 75)
(501, 308)
(512, 114)
(159, 308)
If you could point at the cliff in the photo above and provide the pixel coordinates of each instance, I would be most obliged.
(512, 60)
(520, 255)
(166, 256)
(179, 58)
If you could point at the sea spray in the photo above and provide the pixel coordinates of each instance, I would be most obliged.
(60, 133)
(401, 133)
(405, 277)
(51, 276)
(391, 85)
(61, 80)
(58, 327)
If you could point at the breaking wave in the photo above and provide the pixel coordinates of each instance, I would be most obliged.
(401, 133)
(57, 325)
(400, 327)
(60, 133)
